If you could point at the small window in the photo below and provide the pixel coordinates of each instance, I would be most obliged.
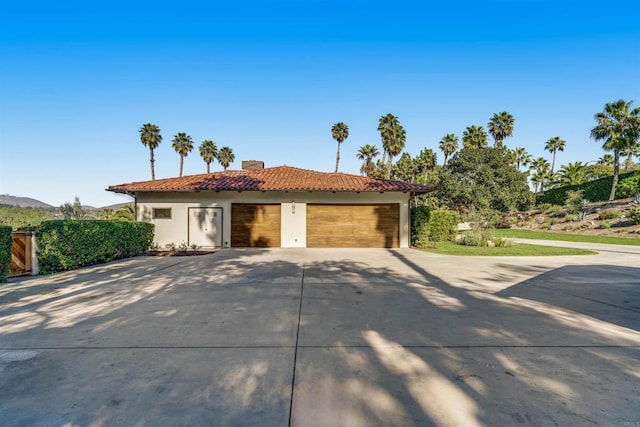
(161, 213)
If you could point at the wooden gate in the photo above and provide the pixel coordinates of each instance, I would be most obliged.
(22, 254)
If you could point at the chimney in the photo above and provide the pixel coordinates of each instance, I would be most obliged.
(248, 165)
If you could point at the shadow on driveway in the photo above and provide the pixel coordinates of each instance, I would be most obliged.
(362, 337)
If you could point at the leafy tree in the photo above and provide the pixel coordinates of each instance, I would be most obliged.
(474, 137)
(448, 145)
(226, 157)
(483, 179)
(367, 153)
(106, 214)
(73, 211)
(573, 173)
(599, 171)
(394, 138)
(150, 137)
(405, 168)
(425, 161)
(18, 217)
(183, 144)
(619, 127)
(208, 152)
(339, 132)
(500, 126)
(522, 157)
(554, 145)
(541, 173)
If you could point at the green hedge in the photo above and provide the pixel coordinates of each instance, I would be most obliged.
(432, 225)
(68, 244)
(443, 225)
(5, 252)
(420, 226)
(597, 190)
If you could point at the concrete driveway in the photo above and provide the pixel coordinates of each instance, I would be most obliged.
(325, 338)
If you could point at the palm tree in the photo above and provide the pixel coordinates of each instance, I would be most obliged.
(629, 153)
(150, 137)
(522, 157)
(339, 132)
(125, 213)
(448, 146)
(183, 144)
(542, 172)
(226, 157)
(539, 179)
(554, 145)
(500, 126)
(606, 160)
(394, 138)
(474, 137)
(573, 173)
(619, 127)
(208, 152)
(367, 153)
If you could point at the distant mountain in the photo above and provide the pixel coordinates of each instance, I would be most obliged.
(23, 202)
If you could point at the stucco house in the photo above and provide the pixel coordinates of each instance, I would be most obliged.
(275, 207)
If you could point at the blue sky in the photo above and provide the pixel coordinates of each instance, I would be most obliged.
(269, 79)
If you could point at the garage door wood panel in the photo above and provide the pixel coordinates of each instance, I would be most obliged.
(255, 225)
(353, 226)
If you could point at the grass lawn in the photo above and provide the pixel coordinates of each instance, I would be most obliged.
(543, 235)
(517, 249)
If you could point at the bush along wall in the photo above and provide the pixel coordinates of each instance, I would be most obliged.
(443, 225)
(5, 252)
(597, 190)
(432, 225)
(69, 244)
(420, 226)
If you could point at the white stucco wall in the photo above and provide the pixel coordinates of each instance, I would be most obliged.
(293, 230)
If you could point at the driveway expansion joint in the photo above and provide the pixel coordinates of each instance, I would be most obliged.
(295, 353)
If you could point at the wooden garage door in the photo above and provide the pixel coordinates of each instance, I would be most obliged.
(353, 226)
(255, 225)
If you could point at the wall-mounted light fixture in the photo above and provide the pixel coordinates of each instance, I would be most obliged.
(293, 207)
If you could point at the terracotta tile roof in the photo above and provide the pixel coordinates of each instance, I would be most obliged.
(280, 178)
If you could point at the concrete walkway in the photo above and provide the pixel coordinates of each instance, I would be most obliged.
(325, 337)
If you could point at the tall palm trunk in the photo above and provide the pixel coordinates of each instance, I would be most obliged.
(181, 163)
(616, 172)
(151, 159)
(208, 163)
(389, 166)
(338, 157)
(553, 162)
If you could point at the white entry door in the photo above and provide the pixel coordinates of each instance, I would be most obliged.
(205, 227)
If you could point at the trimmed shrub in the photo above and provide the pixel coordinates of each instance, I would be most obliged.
(627, 187)
(443, 225)
(420, 226)
(634, 216)
(5, 252)
(69, 244)
(609, 215)
(597, 190)
(575, 201)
